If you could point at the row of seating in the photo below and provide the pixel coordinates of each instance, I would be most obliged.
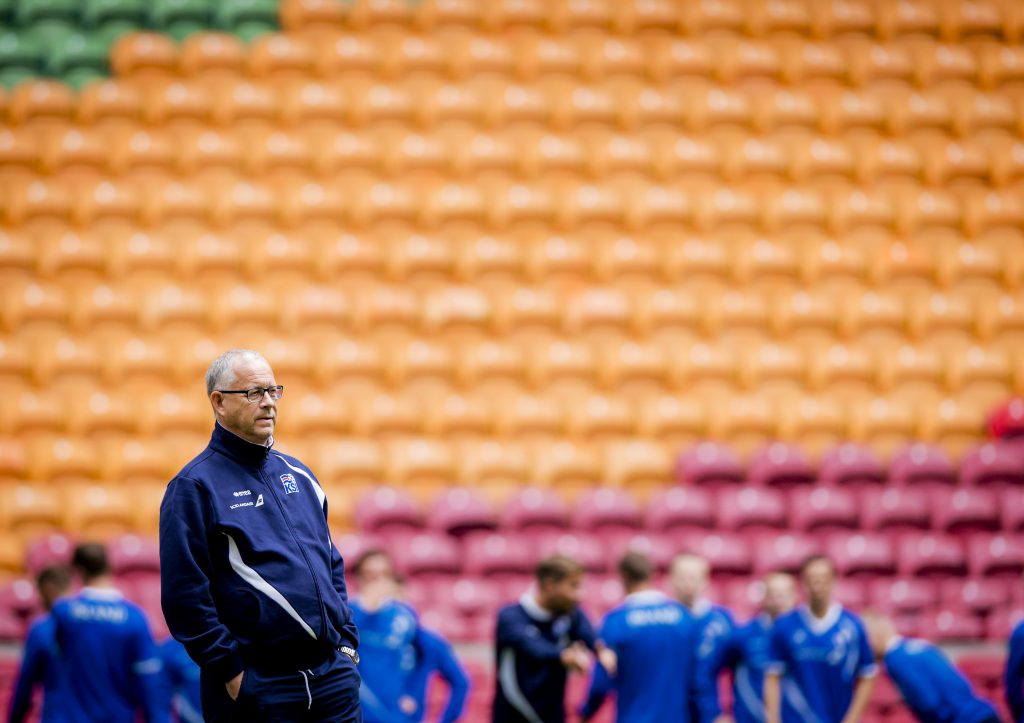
(689, 104)
(223, 199)
(257, 151)
(333, 53)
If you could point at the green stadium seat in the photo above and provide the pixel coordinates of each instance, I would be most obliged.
(97, 13)
(30, 12)
(51, 33)
(180, 18)
(19, 52)
(110, 32)
(10, 77)
(81, 77)
(248, 19)
(79, 52)
(6, 11)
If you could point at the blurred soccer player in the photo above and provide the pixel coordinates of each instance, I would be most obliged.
(538, 640)
(399, 655)
(654, 639)
(39, 663)
(819, 656)
(113, 672)
(689, 577)
(181, 676)
(935, 691)
(745, 653)
(1013, 678)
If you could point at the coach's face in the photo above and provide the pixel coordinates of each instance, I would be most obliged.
(252, 421)
(563, 596)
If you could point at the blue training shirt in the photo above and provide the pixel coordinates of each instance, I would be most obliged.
(934, 690)
(39, 666)
(388, 638)
(655, 639)
(1014, 676)
(714, 625)
(181, 676)
(820, 661)
(435, 655)
(745, 652)
(113, 669)
(528, 647)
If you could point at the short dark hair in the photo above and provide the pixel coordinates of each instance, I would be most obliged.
(818, 557)
(57, 576)
(368, 555)
(635, 568)
(557, 568)
(90, 559)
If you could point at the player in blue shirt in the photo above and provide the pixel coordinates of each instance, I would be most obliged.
(537, 641)
(745, 653)
(1014, 675)
(434, 654)
(933, 689)
(39, 663)
(689, 578)
(113, 670)
(819, 656)
(181, 676)
(654, 639)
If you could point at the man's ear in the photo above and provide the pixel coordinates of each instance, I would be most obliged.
(217, 402)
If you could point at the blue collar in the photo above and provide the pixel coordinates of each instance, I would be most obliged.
(242, 451)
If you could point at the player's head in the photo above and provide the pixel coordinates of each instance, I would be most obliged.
(779, 594)
(90, 561)
(374, 567)
(559, 583)
(238, 370)
(635, 570)
(53, 582)
(818, 575)
(881, 631)
(688, 577)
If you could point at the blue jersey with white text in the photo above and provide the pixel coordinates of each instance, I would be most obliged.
(745, 653)
(113, 669)
(820, 661)
(40, 665)
(1013, 679)
(934, 690)
(655, 639)
(434, 654)
(388, 638)
(181, 676)
(528, 649)
(714, 624)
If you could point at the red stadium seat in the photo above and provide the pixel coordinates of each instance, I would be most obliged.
(353, 546)
(497, 553)
(469, 596)
(586, 548)
(863, 554)
(902, 594)
(993, 464)
(781, 465)
(19, 598)
(427, 552)
(822, 508)
(1012, 505)
(785, 552)
(387, 509)
(851, 466)
(728, 554)
(53, 549)
(931, 555)
(607, 510)
(751, 508)
(680, 508)
(710, 464)
(964, 510)
(659, 549)
(951, 625)
(921, 464)
(996, 555)
(1002, 622)
(133, 554)
(895, 508)
(459, 510)
(980, 596)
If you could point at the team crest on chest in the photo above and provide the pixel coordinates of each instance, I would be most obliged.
(290, 486)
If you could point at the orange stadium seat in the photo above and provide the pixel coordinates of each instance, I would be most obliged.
(385, 414)
(277, 56)
(908, 18)
(480, 362)
(492, 464)
(108, 101)
(40, 101)
(451, 415)
(211, 53)
(418, 360)
(144, 55)
(30, 510)
(522, 415)
(96, 511)
(243, 101)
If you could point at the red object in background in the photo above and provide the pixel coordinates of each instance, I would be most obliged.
(1008, 419)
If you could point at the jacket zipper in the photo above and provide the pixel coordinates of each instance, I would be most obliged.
(298, 545)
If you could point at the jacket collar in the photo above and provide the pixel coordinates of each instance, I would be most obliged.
(242, 451)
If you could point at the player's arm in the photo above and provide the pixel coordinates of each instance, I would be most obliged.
(512, 633)
(867, 671)
(451, 670)
(723, 657)
(148, 668)
(185, 574)
(777, 661)
(600, 685)
(1013, 676)
(30, 674)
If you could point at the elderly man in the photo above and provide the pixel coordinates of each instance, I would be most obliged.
(252, 585)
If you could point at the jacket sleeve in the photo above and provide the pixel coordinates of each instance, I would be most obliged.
(148, 667)
(583, 630)
(724, 657)
(29, 676)
(600, 686)
(185, 573)
(449, 667)
(1014, 675)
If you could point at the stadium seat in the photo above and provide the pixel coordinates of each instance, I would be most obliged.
(460, 510)
(781, 465)
(566, 465)
(822, 508)
(668, 417)
(979, 596)
(785, 552)
(751, 508)
(585, 547)
(1012, 506)
(862, 554)
(903, 595)
(996, 555)
(964, 510)
(921, 465)
(492, 464)
(606, 510)
(851, 467)
(535, 509)
(385, 509)
(497, 553)
(660, 549)
(427, 553)
(727, 553)
(895, 509)
(19, 598)
(680, 508)
(1001, 623)
(950, 625)
(469, 596)
(992, 464)
(52, 549)
(133, 554)
(351, 461)
(931, 555)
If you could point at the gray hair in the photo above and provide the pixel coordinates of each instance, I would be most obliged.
(224, 365)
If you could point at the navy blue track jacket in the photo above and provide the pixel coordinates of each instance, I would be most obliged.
(248, 570)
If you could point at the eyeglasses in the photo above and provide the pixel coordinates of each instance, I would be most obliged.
(255, 394)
